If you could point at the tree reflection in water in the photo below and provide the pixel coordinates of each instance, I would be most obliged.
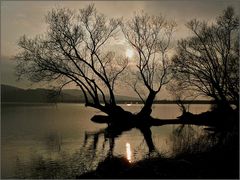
(56, 163)
(53, 141)
(94, 151)
(113, 131)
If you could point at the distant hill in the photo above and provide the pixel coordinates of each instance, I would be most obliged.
(11, 94)
(15, 94)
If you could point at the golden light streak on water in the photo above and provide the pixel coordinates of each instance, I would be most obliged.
(129, 152)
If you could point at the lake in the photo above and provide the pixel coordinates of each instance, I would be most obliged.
(46, 140)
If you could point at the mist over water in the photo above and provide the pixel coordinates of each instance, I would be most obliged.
(52, 136)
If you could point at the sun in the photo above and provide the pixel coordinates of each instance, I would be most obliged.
(129, 53)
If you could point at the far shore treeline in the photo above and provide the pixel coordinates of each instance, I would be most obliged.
(11, 94)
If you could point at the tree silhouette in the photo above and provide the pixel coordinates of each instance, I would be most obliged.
(150, 36)
(208, 62)
(75, 49)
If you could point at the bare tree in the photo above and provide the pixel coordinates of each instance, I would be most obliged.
(208, 62)
(75, 49)
(150, 36)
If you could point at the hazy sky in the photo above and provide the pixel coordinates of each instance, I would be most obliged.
(27, 17)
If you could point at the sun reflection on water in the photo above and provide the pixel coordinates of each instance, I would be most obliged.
(129, 152)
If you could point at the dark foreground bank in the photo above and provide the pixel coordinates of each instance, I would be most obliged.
(221, 162)
(214, 155)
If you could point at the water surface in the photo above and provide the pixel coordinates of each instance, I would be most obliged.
(51, 136)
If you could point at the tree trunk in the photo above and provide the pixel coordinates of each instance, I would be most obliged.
(223, 102)
(147, 108)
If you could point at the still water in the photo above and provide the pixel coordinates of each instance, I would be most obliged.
(46, 141)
